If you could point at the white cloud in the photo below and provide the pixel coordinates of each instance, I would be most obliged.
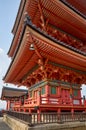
(83, 91)
(4, 63)
(2, 104)
(1, 51)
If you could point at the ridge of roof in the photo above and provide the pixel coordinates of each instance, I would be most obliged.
(14, 89)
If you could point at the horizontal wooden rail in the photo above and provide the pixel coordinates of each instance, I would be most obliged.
(50, 100)
(44, 118)
(20, 115)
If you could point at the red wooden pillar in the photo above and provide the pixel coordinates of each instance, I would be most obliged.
(47, 93)
(72, 112)
(39, 115)
(59, 110)
(24, 109)
(39, 97)
(47, 90)
(59, 94)
(8, 105)
(19, 109)
(29, 110)
(71, 96)
(59, 113)
(59, 90)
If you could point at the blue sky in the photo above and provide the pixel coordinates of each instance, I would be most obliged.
(8, 12)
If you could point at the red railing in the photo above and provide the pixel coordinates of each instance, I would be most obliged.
(17, 103)
(49, 100)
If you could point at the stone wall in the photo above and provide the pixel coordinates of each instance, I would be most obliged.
(16, 124)
(64, 126)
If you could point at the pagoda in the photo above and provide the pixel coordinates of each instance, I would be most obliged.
(48, 54)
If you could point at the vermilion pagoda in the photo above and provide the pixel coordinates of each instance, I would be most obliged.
(48, 54)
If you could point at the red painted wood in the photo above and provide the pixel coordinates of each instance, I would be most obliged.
(54, 19)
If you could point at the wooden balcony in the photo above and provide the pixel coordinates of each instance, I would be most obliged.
(17, 103)
(50, 101)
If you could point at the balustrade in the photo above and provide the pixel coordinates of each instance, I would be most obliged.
(17, 103)
(50, 100)
(33, 118)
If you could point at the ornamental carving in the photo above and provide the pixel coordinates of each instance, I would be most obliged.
(63, 37)
(51, 72)
(58, 34)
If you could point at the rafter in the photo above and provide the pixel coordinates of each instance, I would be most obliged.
(44, 22)
(41, 16)
(51, 72)
(34, 42)
(64, 37)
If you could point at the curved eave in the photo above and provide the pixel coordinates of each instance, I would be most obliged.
(12, 93)
(17, 28)
(65, 19)
(19, 15)
(20, 60)
(39, 31)
(49, 47)
(79, 6)
(13, 46)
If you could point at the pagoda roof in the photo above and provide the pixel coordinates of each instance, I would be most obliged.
(19, 15)
(64, 17)
(24, 59)
(79, 6)
(8, 92)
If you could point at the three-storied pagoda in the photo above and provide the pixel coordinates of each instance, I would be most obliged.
(48, 54)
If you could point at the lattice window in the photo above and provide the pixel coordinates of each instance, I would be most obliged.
(53, 90)
(75, 92)
(43, 90)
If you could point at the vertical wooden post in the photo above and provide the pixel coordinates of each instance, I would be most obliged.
(59, 95)
(59, 113)
(72, 112)
(59, 110)
(29, 110)
(39, 115)
(7, 105)
(47, 93)
(24, 109)
(39, 98)
(19, 109)
(59, 91)
(71, 96)
(47, 89)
